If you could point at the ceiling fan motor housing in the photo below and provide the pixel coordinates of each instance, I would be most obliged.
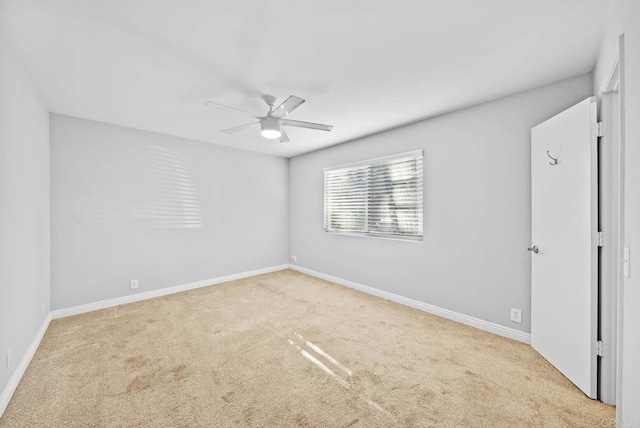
(271, 127)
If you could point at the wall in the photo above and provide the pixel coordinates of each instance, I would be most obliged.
(477, 220)
(624, 18)
(24, 211)
(128, 204)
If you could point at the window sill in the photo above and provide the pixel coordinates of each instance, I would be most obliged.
(415, 239)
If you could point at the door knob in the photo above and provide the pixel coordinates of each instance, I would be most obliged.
(534, 249)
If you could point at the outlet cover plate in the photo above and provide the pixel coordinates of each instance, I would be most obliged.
(516, 315)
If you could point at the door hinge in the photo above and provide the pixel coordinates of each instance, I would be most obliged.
(600, 348)
(600, 239)
(600, 129)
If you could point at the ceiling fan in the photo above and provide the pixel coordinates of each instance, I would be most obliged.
(271, 124)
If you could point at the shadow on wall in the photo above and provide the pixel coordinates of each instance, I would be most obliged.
(171, 197)
(162, 195)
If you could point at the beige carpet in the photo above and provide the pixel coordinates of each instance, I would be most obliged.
(285, 349)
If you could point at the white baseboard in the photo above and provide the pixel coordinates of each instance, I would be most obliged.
(498, 329)
(89, 307)
(8, 391)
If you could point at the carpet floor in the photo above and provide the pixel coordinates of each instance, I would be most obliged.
(287, 350)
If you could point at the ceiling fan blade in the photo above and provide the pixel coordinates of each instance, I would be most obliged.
(284, 138)
(239, 128)
(289, 105)
(310, 125)
(233, 109)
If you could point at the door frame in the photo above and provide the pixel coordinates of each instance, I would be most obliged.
(610, 316)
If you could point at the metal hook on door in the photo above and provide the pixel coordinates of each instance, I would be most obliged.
(555, 160)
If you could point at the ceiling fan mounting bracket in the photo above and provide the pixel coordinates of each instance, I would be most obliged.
(270, 100)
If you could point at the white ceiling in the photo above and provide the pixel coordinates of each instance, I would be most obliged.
(362, 66)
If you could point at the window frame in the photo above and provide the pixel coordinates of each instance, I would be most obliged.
(372, 163)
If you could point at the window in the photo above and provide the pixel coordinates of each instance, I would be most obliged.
(380, 197)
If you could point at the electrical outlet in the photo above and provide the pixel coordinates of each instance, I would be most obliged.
(516, 315)
(294, 258)
(8, 357)
(134, 284)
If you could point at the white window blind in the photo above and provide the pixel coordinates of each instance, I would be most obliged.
(379, 197)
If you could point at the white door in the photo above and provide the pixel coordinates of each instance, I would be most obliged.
(564, 260)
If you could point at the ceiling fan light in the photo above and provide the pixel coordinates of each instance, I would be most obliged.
(270, 128)
(271, 133)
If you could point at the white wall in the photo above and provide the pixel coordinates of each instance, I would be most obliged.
(24, 210)
(477, 220)
(625, 18)
(129, 204)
